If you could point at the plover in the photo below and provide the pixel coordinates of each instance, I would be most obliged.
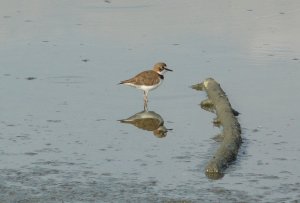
(149, 79)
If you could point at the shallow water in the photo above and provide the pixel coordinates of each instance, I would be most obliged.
(61, 139)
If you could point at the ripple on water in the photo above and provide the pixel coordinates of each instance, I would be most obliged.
(68, 79)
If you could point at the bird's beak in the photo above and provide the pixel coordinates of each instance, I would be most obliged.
(168, 69)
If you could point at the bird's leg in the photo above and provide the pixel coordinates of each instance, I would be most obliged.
(145, 97)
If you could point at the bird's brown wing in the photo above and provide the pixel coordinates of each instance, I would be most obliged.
(144, 78)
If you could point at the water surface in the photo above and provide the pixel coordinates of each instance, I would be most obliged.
(60, 137)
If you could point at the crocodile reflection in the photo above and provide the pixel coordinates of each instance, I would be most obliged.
(149, 121)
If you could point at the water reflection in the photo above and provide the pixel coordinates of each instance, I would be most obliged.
(149, 121)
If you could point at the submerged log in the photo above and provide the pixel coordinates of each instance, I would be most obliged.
(226, 117)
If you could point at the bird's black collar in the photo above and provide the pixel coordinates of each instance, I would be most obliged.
(160, 76)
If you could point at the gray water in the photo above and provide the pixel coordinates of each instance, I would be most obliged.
(60, 137)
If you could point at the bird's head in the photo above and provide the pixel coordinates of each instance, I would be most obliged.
(161, 68)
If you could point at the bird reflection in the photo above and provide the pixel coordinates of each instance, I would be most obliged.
(149, 121)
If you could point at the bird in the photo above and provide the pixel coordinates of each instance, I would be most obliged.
(148, 80)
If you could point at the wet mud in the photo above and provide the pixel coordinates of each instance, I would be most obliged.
(60, 135)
